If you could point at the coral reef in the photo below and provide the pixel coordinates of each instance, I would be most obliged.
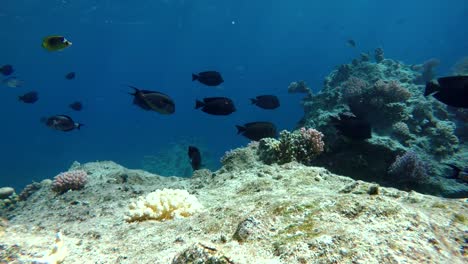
(302, 145)
(69, 180)
(387, 94)
(163, 205)
(299, 87)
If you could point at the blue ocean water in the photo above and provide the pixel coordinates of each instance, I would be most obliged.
(259, 47)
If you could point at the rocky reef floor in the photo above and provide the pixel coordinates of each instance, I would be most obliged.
(257, 214)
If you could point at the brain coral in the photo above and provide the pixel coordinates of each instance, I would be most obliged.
(163, 205)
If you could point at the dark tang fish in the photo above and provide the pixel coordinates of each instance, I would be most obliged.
(29, 98)
(62, 123)
(257, 130)
(6, 69)
(352, 43)
(152, 100)
(352, 127)
(451, 90)
(266, 101)
(195, 157)
(210, 78)
(216, 105)
(70, 76)
(77, 106)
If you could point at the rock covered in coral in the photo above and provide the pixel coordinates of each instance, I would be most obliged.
(29, 190)
(302, 145)
(299, 87)
(386, 94)
(6, 192)
(69, 180)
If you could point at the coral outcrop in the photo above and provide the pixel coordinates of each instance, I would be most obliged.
(388, 94)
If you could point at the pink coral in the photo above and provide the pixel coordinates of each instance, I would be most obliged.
(314, 139)
(70, 180)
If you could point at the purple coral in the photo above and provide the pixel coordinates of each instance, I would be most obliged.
(389, 92)
(408, 168)
(70, 180)
(354, 88)
(313, 140)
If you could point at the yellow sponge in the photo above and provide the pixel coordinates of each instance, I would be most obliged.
(163, 205)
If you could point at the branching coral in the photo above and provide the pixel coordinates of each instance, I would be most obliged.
(408, 169)
(163, 205)
(302, 145)
(69, 180)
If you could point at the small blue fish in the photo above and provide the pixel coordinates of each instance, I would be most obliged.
(13, 82)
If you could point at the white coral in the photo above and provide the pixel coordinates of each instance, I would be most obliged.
(163, 205)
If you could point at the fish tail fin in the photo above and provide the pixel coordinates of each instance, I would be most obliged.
(136, 90)
(194, 77)
(431, 87)
(240, 129)
(20, 98)
(78, 125)
(455, 172)
(199, 104)
(253, 100)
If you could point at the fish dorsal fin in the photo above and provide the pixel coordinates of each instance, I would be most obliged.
(66, 116)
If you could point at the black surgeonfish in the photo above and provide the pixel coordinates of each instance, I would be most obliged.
(452, 90)
(77, 106)
(29, 98)
(70, 76)
(152, 100)
(257, 130)
(216, 105)
(352, 127)
(6, 69)
(266, 101)
(62, 123)
(195, 157)
(210, 78)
